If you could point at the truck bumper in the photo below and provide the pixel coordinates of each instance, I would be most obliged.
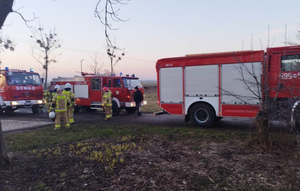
(22, 104)
(132, 104)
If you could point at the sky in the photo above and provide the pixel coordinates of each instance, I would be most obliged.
(154, 29)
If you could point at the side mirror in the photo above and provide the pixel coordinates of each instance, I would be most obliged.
(42, 79)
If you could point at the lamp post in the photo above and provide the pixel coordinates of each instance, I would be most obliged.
(81, 64)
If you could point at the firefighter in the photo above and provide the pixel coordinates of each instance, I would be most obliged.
(48, 99)
(106, 103)
(70, 94)
(60, 102)
(52, 94)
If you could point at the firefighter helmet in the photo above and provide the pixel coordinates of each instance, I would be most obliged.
(52, 115)
(57, 86)
(68, 85)
(105, 89)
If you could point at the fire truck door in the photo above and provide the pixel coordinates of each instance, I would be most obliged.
(96, 92)
(116, 88)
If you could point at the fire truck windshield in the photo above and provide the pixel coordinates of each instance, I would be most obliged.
(290, 63)
(23, 78)
(131, 83)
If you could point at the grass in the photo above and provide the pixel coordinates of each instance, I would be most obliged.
(152, 106)
(46, 137)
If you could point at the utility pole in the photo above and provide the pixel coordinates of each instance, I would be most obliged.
(81, 64)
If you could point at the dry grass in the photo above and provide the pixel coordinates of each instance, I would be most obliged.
(151, 98)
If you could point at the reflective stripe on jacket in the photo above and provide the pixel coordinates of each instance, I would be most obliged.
(106, 99)
(60, 101)
(70, 96)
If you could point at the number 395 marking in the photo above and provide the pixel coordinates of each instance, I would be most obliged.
(286, 76)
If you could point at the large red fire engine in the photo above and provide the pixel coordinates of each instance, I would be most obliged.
(20, 89)
(88, 91)
(207, 87)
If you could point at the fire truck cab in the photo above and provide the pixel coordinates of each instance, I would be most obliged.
(207, 87)
(20, 89)
(88, 91)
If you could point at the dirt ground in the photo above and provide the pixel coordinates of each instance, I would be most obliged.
(155, 163)
(169, 162)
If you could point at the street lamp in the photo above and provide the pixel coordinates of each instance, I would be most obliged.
(81, 65)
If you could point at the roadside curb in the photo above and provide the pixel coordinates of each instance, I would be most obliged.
(12, 125)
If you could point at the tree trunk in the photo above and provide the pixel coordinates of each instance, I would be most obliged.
(262, 124)
(4, 160)
(46, 78)
(5, 9)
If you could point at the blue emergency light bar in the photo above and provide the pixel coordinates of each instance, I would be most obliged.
(31, 69)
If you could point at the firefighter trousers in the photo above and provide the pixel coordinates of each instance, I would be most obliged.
(64, 116)
(48, 105)
(71, 114)
(108, 112)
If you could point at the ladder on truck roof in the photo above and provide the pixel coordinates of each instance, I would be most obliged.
(68, 79)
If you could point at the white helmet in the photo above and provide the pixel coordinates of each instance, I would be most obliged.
(52, 115)
(57, 86)
(68, 85)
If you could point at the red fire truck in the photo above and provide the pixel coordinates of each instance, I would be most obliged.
(20, 89)
(206, 87)
(88, 91)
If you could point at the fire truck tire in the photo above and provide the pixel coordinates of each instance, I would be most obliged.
(202, 115)
(9, 110)
(297, 119)
(35, 110)
(115, 109)
(130, 109)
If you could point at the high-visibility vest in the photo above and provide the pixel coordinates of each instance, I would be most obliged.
(70, 96)
(60, 101)
(47, 96)
(106, 99)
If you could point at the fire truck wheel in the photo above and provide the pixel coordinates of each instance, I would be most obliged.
(35, 110)
(202, 115)
(115, 109)
(297, 119)
(9, 110)
(130, 109)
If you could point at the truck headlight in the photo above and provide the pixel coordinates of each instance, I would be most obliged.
(40, 101)
(14, 103)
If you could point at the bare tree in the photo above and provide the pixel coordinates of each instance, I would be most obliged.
(4, 160)
(95, 67)
(107, 13)
(5, 9)
(114, 57)
(7, 44)
(46, 43)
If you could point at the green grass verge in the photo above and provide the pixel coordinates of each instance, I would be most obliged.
(47, 137)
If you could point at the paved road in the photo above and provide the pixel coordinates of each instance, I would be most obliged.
(24, 119)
